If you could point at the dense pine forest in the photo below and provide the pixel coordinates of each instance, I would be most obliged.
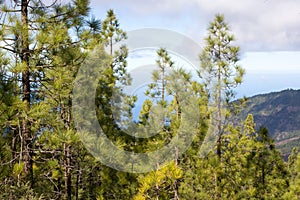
(42, 155)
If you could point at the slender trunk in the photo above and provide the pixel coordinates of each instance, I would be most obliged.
(91, 185)
(111, 46)
(219, 114)
(219, 117)
(219, 124)
(263, 174)
(57, 188)
(175, 189)
(163, 83)
(13, 149)
(111, 42)
(68, 154)
(69, 113)
(77, 184)
(175, 185)
(14, 154)
(163, 93)
(178, 108)
(157, 192)
(25, 54)
(78, 176)
(68, 180)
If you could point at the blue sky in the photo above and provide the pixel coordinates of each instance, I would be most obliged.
(268, 32)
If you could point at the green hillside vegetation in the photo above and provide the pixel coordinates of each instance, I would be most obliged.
(279, 112)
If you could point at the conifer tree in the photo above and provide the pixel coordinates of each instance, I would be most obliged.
(293, 192)
(221, 73)
(45, 60)
(252, 167)
(219, 69)
(41, 155)
(111, 32)
(160, 184)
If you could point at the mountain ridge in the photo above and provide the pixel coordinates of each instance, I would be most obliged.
(279, 112)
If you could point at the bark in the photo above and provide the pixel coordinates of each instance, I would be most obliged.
(67, 164)
(78, 176)
(25, 54)
(219, 123)
(163, 82)
(175, 184)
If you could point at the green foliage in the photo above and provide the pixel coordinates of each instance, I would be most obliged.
(293, 191)
(219, 61)
(155, 184)
(158, 89)
(42, 156)
(249, 168)
(111, 32)
(221, 74)
(145, 112)
(20, 192)
(254, 167)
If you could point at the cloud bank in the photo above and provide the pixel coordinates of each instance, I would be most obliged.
(259, 25)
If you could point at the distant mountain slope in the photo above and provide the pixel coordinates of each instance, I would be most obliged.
(280, 113)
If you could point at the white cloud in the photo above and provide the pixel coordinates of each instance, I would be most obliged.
(145, 7)
(257, 24)
(272, 62)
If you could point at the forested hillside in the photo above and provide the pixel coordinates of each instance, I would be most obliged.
(49, 151)
(279, 112)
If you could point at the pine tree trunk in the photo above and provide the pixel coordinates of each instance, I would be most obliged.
(219, 124)
(163, 82)
(27, 152)
(219, 129)
(78, 176)
(57, 189)
(13, 149)
(219, 115)
(157, 192)
(68, 180)
(175, 185)
(14, 154)
(111, 48)
(175, 189)
(163, 93)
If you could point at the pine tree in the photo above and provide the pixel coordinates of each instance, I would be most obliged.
(113, 106)
(293, 191)
(45, 61)
(42, 156)
(165, 113)
(219, 68)
(252, 166)
(157, 90)
(220, 73)
(111, 32)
